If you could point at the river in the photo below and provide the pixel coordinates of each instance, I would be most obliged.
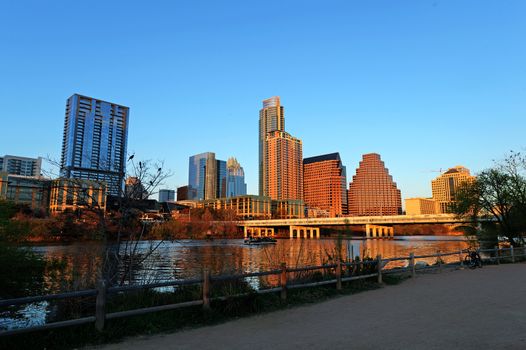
(186, 259)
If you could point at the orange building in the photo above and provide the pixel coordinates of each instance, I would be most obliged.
(324, 184)
(372, 191)
(284, 172)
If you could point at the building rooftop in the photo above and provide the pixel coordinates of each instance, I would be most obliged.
(322, 158)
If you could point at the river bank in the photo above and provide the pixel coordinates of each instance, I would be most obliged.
(433, 311)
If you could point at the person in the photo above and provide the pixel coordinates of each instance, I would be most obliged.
(475, 258)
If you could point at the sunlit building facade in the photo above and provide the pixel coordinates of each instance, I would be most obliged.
(372, 191)
(251, 207)
(420, 206)
(73, 194)
(284, 169)
(445, 186)
(271, 118)
(94, 142)
(325, 185)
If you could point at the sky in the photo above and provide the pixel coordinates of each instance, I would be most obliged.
(426, 84)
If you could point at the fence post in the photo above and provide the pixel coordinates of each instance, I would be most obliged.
(100, 305)
(412, 264)
(379, 265)
(283, 281)
(512, 254)
(497, 254)
(439, 261)
(460, 258)
(339, 275)
(206, 289)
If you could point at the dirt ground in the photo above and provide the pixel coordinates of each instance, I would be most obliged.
(463, 309)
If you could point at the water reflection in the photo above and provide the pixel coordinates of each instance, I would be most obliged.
(186, 258)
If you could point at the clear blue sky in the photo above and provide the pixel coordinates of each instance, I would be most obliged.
(428, 84)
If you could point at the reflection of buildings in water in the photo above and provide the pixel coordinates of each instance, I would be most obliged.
(187, 259)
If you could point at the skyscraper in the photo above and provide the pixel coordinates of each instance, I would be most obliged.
(94, 142)
(325, 184)
(445, 186)
(271, 118)
(372, 190)
(284, 172)
(236, 185)
(23, 166)
(202, 176)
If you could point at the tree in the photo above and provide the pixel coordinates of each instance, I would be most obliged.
(498, 197)
(123, 225)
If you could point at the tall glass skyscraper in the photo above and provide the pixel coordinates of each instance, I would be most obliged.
(94, 142)
(236, 185)
(271, 118)
(202, 176)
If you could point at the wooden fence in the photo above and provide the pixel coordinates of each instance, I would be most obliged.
(102, 291)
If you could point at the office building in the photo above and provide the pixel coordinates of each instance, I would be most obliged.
(207, 177)
(420, 206)
(28, 190)
(325, 185)
(249, 207)
(74, 194)
(271, 118)
(166, 195)
(182, 193)
(284, 169)
(372, 191)
(236, 185)
(23, 166)
(94, 142)
(445, 186)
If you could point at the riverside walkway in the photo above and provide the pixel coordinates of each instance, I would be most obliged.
(462, 309)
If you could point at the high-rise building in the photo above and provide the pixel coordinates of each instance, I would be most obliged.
(445, 186)
(94, 142)
(325, 184)
(221, 179)
(202, 176)
(271, 118)
(372, 191)
(207, 177)
(284, 169)
(23, 166)
(236, 185)
(166, 195)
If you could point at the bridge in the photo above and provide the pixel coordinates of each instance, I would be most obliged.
(375, 226)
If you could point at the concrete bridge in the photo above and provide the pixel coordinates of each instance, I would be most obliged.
(375, 226)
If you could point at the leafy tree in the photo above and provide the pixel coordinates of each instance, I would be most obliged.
(498, 197)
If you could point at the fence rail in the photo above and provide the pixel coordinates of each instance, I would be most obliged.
(101, 292)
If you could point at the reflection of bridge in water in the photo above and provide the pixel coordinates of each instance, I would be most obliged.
(374, 226)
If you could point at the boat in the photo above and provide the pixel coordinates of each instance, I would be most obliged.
(259, 240)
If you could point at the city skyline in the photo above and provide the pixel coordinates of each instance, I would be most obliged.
(414, 82)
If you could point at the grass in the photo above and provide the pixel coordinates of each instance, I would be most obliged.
(170, 321)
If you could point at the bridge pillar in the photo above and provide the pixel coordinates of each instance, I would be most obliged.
(245, 232)
(311, 231)
(367, 231)
(317, 232)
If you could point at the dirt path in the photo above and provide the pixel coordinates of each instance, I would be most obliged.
(465, 309)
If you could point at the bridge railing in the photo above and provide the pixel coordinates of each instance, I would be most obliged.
(288, 278)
